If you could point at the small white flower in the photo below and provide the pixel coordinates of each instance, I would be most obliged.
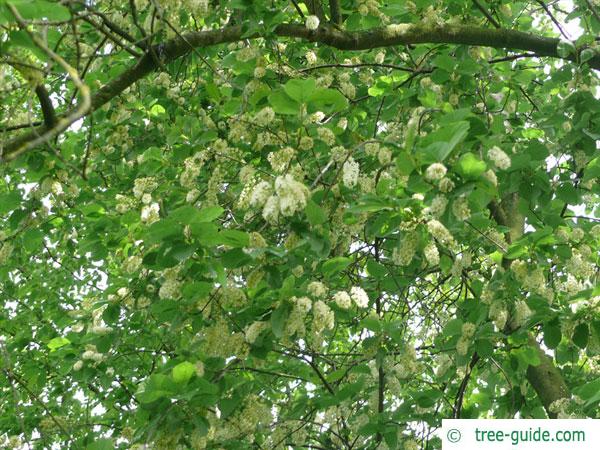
(435, 172)
(78, 365)
(350, 172)
(359, 297)
(312, 22)
(499, 158)
(342, 299)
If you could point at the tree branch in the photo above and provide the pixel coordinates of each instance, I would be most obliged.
(486, 13)
(315, 8)
(392, 35)
(46, 104)
(335, 12)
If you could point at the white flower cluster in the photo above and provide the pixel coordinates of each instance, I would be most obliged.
(521, 314)
(292, 194)
(312, 22)
(431, 253)
(356, 295)
(280, 160)
(142, 186)
(323, 318)
(264, 117)
(499, 158)
(92, 354)
(306, 143)
(150, 213)
(350, 172)
(498, 314)
(359, 297)
(260, 194)
(132, 264)
(326, 135)
(468, 330)
(317, 289)
(443, 363)
(440, 232)
(446, 185)
(98, 325)
(253, 330)
(407, 364)
(460, 208)
(218, 340)
(437, 207)
(295, 322)
(579, 267)
(192, 167)
(342, 299)
(435, 172)
(403, 254)
(490, 175)
(232, 297)
(171, 286)
(6, 250)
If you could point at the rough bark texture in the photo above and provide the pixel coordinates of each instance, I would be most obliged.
(546, 379)
(399, 34)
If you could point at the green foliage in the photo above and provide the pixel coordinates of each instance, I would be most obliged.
(274, 241)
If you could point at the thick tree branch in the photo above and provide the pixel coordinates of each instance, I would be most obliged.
(392, 35)
(46, 104)
(545, 378)
(335, 12)
(316, 8)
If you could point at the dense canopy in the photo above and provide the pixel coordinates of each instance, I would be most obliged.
(287, 225)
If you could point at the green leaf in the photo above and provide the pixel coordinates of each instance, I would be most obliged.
(527, 355)
(335, 265)
(35, 10)
(9, 201)
(586, 55)
(552, 334)
(440, 143)
(58, 342)
(315, 214)
(515, 251)
(331, 99)
(279, 318)
(565, 48)
(470, 166)
(590, 392)
(453, 328)
(101, 444)
(592, 170)
(581, 335)
(182, 372)
(283, 104)
(300, 90)
(161, 231)
(157, 386)
(234, 238)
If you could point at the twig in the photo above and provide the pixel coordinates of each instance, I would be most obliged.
(65, 122)
(486, 13)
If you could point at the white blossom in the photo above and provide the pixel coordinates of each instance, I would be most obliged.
(359, 297)
(499, 158)
(292, 194)
(350, 172)
(312, 22)
(342, 299)
(435, 172)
